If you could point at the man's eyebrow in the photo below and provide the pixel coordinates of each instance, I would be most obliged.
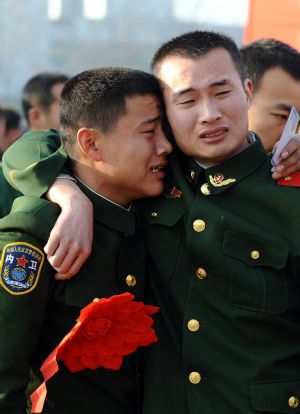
(180, 93)
(150, 120)
(221, 82)
(283, 106)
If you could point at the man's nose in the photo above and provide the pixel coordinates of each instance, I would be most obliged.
(163, 146)
(208, 111)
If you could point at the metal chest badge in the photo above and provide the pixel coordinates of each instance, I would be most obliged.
(21, 265)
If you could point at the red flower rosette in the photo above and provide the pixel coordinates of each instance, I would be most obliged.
(105, 332)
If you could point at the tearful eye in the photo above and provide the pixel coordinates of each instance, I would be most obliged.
(282, 117)
(222, 93)
(150, 131)
(188, 101)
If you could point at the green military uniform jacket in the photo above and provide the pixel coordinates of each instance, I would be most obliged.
(7, 194)
(225, 270)
(36, 311)
(224, 249)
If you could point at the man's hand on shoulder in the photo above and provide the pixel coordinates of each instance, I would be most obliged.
(70, 241)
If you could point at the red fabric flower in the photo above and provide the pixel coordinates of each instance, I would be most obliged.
(106, 331)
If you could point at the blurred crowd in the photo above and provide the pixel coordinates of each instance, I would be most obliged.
(40, 108)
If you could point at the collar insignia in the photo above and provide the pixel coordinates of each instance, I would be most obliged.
(174, 193)
(218, 180)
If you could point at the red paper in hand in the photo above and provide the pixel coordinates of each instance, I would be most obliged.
(292, 180)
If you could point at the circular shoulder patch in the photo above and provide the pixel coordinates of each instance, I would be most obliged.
(21, 265)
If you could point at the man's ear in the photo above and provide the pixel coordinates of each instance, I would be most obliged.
(89, 142)
(36, 118)
(248, 87)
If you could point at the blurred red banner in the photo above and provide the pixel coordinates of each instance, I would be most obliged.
(274, 18)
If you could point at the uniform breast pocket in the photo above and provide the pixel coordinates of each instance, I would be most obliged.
(90, 284)
(163, 234)
(276, 396)
(256, 273)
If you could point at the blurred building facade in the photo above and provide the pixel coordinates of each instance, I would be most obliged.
(127, 35)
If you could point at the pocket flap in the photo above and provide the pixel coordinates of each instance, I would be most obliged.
(276, 396)
(88, 285)
(165, 213)
(253, 251)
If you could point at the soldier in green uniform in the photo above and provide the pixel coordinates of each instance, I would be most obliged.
(229, 281)
(111, 129)
(224, 250)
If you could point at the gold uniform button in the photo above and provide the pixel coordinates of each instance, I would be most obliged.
(205, 189)
(199, 225)
(194, 377)
(255, 254)
(293, 402)
(154, 214)
(201, 273)
(130, 280)
(193, 325)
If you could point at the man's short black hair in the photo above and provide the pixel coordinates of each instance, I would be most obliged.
(264, 54)
(38, 91)
(96, 98)
(12, 119)
(196, 44)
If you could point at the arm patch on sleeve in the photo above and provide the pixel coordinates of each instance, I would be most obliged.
(21, 265)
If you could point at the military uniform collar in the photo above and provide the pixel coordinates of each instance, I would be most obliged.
(193, 172)
(109, 213)
(223, 176)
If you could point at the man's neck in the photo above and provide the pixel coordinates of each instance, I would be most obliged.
(250, 140)
(98, 184)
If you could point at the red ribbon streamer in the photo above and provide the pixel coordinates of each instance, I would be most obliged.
(48, 369)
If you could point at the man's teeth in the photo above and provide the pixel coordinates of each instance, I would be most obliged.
(215, 134)
(156, 169)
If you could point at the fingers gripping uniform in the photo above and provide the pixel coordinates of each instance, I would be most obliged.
(36, 311)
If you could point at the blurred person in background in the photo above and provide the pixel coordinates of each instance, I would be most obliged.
(41, 100)
(13, 128)
(274, 68)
